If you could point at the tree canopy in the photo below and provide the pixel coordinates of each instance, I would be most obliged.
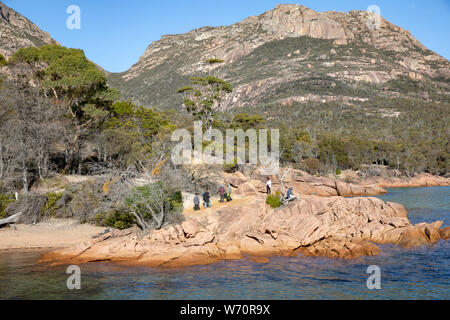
(72, 82)
(203, 97)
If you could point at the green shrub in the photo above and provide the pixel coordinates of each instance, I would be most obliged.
(311, 165)
(274, 200)
(117, 220)
(176, 202)
(349, 179)
(99, 219)
(5, 200)
(50, 207)
(338, 172)
(213, 61)
(3, 61)
(86, 200)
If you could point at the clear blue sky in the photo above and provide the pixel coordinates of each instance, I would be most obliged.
(115, 33)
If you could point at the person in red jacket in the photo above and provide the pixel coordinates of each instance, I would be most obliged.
(222, 192)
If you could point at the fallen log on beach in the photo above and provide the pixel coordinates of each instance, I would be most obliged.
(13, 219)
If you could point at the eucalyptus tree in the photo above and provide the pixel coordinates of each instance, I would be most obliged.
(204, 96)
(73, 84)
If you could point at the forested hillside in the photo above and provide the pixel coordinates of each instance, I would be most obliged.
(343, 98)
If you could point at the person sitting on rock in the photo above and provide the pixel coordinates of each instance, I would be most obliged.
(222, 194)
(196, 202)
(206, 200)
(290, 195)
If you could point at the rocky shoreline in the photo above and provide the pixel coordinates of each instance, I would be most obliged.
(306, 184)
(334, 217)
(335, 227)
(418, 181)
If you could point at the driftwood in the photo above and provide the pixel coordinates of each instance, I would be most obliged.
(13, 219)
(29, 207)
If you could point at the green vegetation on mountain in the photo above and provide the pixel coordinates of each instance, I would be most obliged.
(341, 100)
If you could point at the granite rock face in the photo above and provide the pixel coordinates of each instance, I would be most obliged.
(303, 184)
(269, 53)
(328, 219)
(17, 32)
(314, 226)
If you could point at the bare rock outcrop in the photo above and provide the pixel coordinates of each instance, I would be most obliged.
(337, 45)
(316, 226)
(294, 20)
(445, 233)
(305, 184)
(17, 32)
(420, 234)
(419, 180)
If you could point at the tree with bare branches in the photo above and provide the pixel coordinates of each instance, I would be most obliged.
(154, 205)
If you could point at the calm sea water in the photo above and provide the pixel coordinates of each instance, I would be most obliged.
(420, 273)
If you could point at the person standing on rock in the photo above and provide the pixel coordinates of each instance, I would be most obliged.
(269, 186)
(222, 194)
(206, 200)
(229, 191)
(196, 202)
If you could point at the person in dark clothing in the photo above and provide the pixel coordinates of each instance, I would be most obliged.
(290, 195)
(222, 194)
(206, 200)
(196, 202)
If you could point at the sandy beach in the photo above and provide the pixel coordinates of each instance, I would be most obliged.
(60, 233)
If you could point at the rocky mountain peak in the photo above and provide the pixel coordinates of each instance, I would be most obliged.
(265, 56)
(16, 32)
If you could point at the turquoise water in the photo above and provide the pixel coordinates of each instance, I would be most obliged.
(420, 273)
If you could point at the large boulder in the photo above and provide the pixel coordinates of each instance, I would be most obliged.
(235, 179)
(445, 233)
(421, 234)
(190, 228)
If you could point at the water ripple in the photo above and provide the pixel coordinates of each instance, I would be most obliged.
(419, 273)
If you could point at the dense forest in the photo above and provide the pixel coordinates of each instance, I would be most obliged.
(406, 134)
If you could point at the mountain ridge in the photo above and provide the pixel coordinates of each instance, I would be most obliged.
(16, 31)
(291, 54)
(170, 61)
